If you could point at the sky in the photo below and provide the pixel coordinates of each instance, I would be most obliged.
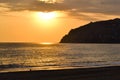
(49, 20)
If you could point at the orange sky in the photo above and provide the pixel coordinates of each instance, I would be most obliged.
(26, 21)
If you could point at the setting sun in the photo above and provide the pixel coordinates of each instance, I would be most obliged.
(46, 20)
(47, 15)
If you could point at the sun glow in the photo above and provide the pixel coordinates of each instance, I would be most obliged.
(47, 20)
(47, 15)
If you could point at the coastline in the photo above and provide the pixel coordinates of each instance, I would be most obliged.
(99, 73)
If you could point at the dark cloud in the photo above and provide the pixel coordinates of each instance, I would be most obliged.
(95, 6)
(103, 8)
(32, 5)
(73, 7)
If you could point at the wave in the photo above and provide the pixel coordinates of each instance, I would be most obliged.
(14, 66)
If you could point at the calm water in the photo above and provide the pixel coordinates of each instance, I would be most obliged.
(19, 57)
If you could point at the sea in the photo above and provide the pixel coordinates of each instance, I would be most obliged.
(30, 56)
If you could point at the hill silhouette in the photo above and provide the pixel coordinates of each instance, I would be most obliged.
(95, 32)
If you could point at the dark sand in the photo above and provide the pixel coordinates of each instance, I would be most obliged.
(103, 73)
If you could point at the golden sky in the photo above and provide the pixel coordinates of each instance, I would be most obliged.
(49, 20)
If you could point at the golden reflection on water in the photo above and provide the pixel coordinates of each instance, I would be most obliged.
(46, 43)
(48, 56)
(52, 1)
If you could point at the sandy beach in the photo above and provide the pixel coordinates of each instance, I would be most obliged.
(101, 73)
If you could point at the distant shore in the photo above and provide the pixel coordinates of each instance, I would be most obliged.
(101, 73)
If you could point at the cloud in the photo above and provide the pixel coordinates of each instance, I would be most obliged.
(73, 7)
(94, 8)
(32, 5)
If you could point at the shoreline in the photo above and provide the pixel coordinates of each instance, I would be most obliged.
(99, 73)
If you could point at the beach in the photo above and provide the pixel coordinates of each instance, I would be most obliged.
(99, 73)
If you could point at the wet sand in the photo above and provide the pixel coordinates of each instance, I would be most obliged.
(103, 73)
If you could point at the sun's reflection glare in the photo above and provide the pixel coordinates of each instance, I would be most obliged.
(46, 43)
(51, 1)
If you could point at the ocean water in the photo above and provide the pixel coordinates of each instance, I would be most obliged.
(27, 56)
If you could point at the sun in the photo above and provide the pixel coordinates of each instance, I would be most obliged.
(47, 20)
(47, 15)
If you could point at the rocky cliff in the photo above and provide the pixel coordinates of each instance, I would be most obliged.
(95, 32)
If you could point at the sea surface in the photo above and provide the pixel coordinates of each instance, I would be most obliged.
(29, 56)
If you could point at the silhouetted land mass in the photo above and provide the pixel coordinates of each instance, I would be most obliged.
(95, 32)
